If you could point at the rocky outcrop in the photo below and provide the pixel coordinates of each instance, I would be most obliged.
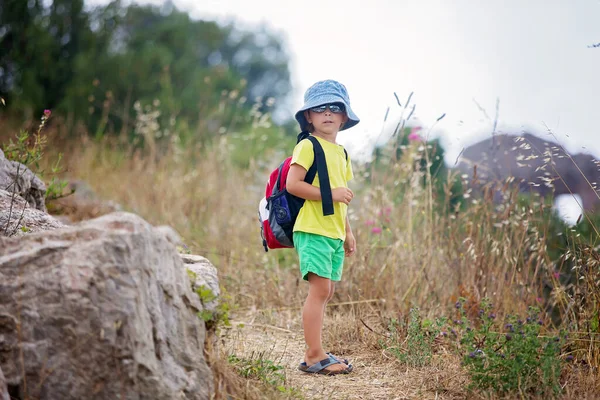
(18, 218)
(536, 165)
(203, 276)
(100, 310)
(3, 389)
(16, 177)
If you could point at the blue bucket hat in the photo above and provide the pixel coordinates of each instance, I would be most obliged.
(324, 92)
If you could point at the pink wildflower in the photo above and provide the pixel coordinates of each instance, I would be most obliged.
(556, 275)
(47, 113)
(414, 136)
(376, 230)
(369, 222)
(385, 211)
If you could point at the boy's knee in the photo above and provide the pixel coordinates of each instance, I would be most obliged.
(321, 293)
(319, 287)
(330, 295)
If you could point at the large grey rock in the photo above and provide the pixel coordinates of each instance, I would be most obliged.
(100, 310)
(169, 234)
(3, 389)
(205, 275)
(18, 218)
(16, 177)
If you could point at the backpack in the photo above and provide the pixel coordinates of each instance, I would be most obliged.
(278, 210)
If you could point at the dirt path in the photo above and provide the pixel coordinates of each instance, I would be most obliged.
(376, 374)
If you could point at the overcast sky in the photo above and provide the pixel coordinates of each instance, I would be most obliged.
(531, 55)
(458, 57)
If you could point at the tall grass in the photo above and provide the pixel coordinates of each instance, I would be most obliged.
(412, 249)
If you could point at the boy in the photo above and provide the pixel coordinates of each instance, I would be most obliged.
(322, 241)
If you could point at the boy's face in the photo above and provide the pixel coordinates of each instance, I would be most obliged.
(326, 122)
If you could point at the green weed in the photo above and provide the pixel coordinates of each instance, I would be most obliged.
(417, 349)
(512, 356)
(259, 368)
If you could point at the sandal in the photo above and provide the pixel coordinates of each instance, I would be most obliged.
(344, 360)
(319, 367)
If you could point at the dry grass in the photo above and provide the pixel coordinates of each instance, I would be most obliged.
(419, 257)
(378, 375)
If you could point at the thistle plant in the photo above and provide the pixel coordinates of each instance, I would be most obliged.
(510, 356)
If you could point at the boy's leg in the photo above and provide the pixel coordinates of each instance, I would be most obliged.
(319, 292)
(331, 291)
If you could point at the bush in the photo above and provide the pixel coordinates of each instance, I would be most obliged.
(514, 358)
(420, 337)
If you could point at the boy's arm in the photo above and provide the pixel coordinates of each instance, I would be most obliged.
(348, 227)
(295, 185)
(350, 242)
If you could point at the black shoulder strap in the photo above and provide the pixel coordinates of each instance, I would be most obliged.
(302, 135)
(312, 171)
(310, 174)
(321, 167)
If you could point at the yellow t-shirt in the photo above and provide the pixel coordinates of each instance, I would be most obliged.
(311, 218)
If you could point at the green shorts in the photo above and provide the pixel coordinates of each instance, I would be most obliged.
(320, 255)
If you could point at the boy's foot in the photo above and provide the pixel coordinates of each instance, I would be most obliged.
(328, 365)
(344, 360)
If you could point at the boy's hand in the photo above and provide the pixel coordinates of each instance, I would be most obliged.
(349, 244)
(342, 195)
